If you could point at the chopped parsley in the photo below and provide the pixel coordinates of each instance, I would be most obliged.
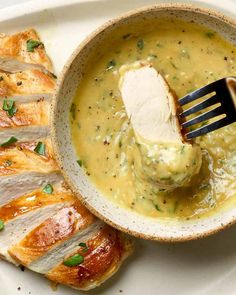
(175, 206)
(210, 35)
(126, 36)
(173, 65)
(48, 189)
(73, 110)
(1, 225)
(8, 163)
(157, 207)
(152, 56)
(9, 107)
(84, 246)
(140, 44)
(111, 64)
(40, 148)
(10, 141)
(80, 163)
(32, 44)
(182, 149)
(74, 260)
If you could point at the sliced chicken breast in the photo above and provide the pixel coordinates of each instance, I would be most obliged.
(42, 222)
(162, 158)
(106, 251)
(150, 104)
(24, 157)
(27, 82)
(23, 51)
(24, 134)
(15, 229)
(17, 185)
(27, 114)
(28, 98)
(48, 236)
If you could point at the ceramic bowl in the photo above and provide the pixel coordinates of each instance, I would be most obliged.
(103, 207)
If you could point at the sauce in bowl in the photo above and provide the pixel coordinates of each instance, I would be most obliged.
(188, 56)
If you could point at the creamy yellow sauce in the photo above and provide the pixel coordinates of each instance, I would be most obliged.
(189, 56)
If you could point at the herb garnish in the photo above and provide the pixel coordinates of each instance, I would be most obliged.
(182, 149)
(8, 163)
(9, 107)
(84, 245)
(1, 225)
(111, 64)
(157, 208)
(32, 44)
(10, 141)
(126, 36)
(173, 65)
(140, 44)
(73, 110)
(48, 189)
(40, 148)
(152, 56)
(74, 260)
(175, 206)
(210, 35)
(80, 163)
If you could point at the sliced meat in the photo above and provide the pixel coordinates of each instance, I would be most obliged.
(34, 113)
(60, 227)
(15, 229)
(163, 160)
(150, 104)
(27, 82)
(57, 254)
(44, 221)
(22, 158)
(105, 253)
(16, 185)
(34, 200)
(36, 97)
(23, 51)
(24, 134)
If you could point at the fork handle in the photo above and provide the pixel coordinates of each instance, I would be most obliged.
(231, 84)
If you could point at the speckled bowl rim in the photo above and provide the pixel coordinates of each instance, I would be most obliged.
(53, 120)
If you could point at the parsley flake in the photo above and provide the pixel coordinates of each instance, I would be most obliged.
(74, 260)
(1, 225)
(40, 148)
(9, 107)
(48, 189)
(32, 44)
(10, 141)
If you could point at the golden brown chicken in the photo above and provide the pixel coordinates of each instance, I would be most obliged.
(43, 226)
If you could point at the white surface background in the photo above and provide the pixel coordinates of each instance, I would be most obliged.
(205, 267)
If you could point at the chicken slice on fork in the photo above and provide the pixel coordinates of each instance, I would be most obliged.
(163, 158)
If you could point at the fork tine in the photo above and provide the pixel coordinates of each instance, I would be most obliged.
(200, 92)
(202, 105)
(209, 128)
(203, 117)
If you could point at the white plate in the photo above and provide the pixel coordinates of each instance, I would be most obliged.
(201, 267)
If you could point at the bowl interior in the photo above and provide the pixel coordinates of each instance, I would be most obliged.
(100, 205)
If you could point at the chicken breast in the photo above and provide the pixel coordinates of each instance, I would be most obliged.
(23, 51)
(162, 159)
(26, 82)
(43, 226)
